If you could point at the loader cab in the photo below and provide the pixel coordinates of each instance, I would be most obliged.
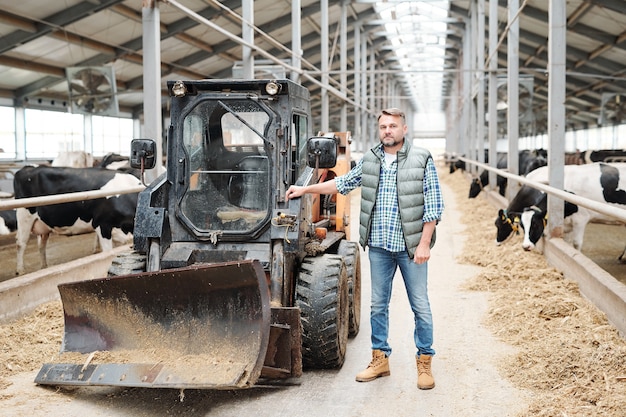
(227, 189)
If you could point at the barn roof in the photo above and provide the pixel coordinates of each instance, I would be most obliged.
(41, 43)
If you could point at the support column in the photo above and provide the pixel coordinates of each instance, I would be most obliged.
(152, 81)
(324, 61)
(296, 39)
(20, 132)
(480, 76)
(88, 133)
(363, 102)
(512, 125)
(343, 64)
(557, 22)
(472, 137)
(247, 33)
(357, 132)
(493, 87)
(465, 90)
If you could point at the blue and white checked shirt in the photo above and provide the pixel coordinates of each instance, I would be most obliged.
(386, 230)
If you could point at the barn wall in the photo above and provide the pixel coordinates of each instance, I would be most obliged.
(21, 295)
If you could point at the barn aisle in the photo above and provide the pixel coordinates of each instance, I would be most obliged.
(510, 342)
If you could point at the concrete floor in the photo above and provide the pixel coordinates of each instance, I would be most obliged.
(465, 370)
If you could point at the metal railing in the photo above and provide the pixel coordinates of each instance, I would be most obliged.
(65, 198)
(603, 208)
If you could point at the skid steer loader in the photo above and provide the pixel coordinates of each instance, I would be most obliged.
(228, 284)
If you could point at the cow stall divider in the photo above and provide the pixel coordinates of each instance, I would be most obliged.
(597, 285)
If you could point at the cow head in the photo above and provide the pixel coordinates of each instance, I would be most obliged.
(475, 188)
(533, 222)
(506, 223)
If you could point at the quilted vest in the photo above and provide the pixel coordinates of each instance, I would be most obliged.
(410, 185)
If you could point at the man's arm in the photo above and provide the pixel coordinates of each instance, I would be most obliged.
(326, 187)
(422, 252)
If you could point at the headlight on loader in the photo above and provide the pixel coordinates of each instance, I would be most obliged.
(179, 89)
(272, 88)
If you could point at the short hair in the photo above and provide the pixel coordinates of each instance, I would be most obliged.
(393, 111)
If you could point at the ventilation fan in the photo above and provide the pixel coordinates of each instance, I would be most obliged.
(613, 110)
(92, 90)
(525, 97)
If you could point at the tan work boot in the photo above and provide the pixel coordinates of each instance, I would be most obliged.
(425, 378)
(379, 366)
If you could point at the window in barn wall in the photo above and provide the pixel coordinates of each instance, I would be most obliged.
(570, 141)
(605, 134)
(111, 134)
(7, 133)
(48, 133)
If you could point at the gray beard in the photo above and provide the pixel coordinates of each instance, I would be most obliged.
(388, 145)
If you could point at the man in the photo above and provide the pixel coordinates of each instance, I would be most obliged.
(401, 203)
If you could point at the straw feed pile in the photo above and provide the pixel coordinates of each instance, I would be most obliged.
(28, 342)
(569, 356)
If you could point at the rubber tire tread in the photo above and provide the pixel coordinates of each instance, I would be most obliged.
(127, 263)
(351, 255)
(322, 296)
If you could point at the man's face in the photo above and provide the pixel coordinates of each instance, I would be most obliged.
(391, 130)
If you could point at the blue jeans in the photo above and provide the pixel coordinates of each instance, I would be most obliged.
(383, 265)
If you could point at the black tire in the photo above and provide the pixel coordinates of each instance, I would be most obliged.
(351, 255)
(127, 263)
(322, 296)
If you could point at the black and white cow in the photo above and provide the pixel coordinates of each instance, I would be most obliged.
(8, 222)
(600, 182)
(533, 220)
(457, 164)
(113, 161)
(528, 162)
(74, 159)
(103, 215)
(595, 155)
(508, 219)
(529, 206)
(603, 155)
(477, 184)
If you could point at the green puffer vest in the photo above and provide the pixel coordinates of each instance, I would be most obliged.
(410, 177)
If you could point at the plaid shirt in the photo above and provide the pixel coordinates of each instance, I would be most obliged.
(386, 230)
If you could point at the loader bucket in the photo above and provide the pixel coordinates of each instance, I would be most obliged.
(203, 326)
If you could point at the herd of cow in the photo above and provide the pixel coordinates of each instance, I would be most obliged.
(589, 174)
(108, 217)
(586, 176)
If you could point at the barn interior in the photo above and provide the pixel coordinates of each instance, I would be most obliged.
(476, 78)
